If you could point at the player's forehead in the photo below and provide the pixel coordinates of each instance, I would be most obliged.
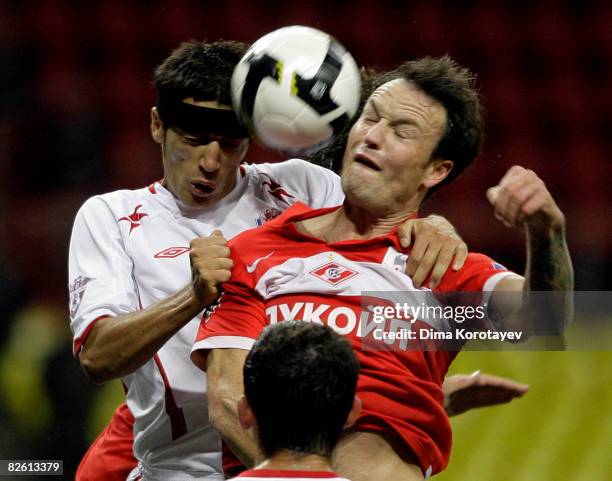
(204, 117)
(209, 104)
(401, 101)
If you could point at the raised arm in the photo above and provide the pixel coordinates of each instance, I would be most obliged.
(521, 200)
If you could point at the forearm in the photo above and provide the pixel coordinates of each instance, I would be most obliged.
(549, 269)
(117, 346)
(542, 301)
(224, 418)
(549, 266)
(225, 387)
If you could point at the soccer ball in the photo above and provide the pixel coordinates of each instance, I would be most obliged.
(295, 88)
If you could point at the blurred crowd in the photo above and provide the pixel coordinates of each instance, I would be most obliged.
(74, 110)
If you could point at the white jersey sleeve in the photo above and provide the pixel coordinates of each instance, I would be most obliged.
(316, 186)
(99, 270)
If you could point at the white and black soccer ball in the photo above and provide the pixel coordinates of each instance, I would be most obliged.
(296, 88)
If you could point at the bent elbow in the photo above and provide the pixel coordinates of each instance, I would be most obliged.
(95, 370)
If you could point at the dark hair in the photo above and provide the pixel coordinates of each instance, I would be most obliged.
(444, 80)
(300, 380)
(200, 70)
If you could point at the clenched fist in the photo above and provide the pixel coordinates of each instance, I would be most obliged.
(521, 197)
(210, 266)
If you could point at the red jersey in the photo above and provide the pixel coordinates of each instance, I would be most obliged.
(282, 274)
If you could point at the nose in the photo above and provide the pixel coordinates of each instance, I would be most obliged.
(210, 157)
(374, 135)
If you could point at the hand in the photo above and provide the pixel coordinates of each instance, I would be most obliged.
(210, 266)
(435, 244)
(522, 197)
(463, 392)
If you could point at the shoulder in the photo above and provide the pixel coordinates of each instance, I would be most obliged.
(478, 268)
(118, 203)
(292, 170)
(273, 236)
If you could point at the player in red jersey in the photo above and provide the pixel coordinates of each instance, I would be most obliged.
(132, 287)
(419, 129)
(299, 385)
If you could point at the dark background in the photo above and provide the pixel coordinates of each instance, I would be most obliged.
(75, 94)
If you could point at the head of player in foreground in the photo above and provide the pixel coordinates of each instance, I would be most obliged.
(299, 385)
(420, 128)
(201, 139)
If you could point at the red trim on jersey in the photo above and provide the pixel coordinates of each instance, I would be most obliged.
(177, 418)
(287, 473)
(78, 343)
(232, 466)
(242, 169)
(152, 188)
(110, 456)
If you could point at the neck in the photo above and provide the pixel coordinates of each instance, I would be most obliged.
(292, 460)
(353, 223)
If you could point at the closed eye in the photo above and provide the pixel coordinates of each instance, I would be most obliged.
(405, 132)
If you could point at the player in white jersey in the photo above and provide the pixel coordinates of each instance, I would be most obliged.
(142, 267)
(299, 384)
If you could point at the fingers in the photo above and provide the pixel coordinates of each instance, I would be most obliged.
(503, 384)
(521, 196)
(463, 392)
(434, 256)
(404, 232)
(426, 263)
(461, 255)
(211, 265)
(456, 382)
(436, 245)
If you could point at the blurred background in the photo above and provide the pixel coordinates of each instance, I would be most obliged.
(75, 94)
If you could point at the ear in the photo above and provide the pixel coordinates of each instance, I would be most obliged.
(157, 126)
(437, 171)
(245, 414)
(354, 412)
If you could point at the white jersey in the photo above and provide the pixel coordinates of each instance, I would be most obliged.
(287, 475)
(129, 249)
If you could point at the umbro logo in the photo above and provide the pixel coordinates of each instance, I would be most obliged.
(171, 252)
(333, 273)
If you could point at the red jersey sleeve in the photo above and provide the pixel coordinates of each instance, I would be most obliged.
(234, 321)
(473, 284)
(479, 273)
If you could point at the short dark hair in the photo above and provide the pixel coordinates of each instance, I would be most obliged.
(444, 80)
(300, 380)
(200, 70)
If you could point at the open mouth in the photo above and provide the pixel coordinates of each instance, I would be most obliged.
(202, 189)
(365, 160)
